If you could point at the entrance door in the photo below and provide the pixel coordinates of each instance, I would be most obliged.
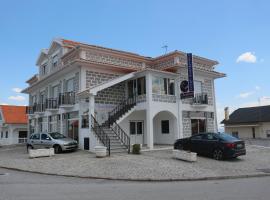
(136, 132)
(198, 126)
(22, 136)
(73, 129)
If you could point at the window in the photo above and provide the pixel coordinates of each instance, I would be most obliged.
(85, 121)
(141, 85)
(136, 87)
(165, 126)
(2, 134)
(197, 87)
(171, 86)
(235, 134)
(163, 86)
(6, 134)
(44, 69)
(209, 136)
(139, 128)
(36, 137)
(1, 117)
(55, 91)
(70, 87)
(197, 137)
(198, 126)
(267, 133)
(45, 137)
(132, 127)
(136, 127)
(55, 60)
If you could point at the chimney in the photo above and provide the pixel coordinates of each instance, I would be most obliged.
(226, 112)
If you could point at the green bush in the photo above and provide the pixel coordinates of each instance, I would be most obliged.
(136, 148)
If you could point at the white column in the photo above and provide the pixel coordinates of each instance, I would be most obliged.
(91, 112)
(149, 114)
(179, 117)
(61, 122)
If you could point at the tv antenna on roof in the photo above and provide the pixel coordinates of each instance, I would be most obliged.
(165, 47)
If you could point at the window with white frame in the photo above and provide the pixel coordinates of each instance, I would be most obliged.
(55, 60)
(6, 134)
(163, 86)
(1, 117)
(197, 87)
(70, 85)
(44, 69)
(55, 91)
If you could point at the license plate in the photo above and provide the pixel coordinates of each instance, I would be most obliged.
(239, 146)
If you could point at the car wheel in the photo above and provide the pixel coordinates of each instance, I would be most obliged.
(218, 154)
(57, 149)
(29, 147)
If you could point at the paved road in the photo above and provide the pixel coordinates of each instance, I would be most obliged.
(27, 186)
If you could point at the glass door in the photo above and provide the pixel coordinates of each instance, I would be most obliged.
(198, 126)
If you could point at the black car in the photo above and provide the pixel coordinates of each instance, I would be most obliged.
(217, 145)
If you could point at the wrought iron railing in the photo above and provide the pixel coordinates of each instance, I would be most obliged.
(200, 98)
(122, 135)
(66, 98)
(102, 136)
(52, 103)
(121, 109)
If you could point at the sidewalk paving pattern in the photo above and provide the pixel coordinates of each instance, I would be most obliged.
(152, 165)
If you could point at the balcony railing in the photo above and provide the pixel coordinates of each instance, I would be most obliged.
(200, 98)
(36, 107)
(67, 98)
(52, 103)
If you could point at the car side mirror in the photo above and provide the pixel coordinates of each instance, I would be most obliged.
(47, 138)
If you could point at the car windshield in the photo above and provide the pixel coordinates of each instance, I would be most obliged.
(226, 136)
(56, 135)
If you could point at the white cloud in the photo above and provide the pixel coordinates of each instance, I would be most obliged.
(17, 98)
(3, 103)
(18, 90)
(248, 57)
(245, 95)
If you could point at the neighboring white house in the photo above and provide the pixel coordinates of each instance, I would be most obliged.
(13, 124)
(130, 98)
(251, 122)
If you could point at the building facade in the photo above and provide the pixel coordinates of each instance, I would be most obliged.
(13, 124)
(247, 123)
(98, 95)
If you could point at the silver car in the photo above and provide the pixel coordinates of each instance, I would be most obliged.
(51, 140)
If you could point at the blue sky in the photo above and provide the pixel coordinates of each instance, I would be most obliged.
(219, 30)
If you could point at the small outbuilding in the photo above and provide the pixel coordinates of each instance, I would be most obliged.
(13, 124)
(250, 122)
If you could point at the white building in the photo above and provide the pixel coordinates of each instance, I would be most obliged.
(250, 122)
(13, 124)
(131, 98)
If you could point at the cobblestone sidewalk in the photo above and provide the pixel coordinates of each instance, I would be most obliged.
(153, 165)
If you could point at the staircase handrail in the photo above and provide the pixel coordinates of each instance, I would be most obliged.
(102, 136)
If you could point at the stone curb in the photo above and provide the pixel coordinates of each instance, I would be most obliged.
(146, 179)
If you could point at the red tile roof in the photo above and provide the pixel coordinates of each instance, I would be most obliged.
(14, 114)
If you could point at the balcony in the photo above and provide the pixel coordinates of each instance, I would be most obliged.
(200, 99)
(52, 104)
(39, 108)
(66, 99)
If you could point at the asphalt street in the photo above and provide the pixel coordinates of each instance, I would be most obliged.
(16, 185)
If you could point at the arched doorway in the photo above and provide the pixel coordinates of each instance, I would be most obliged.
(165, 128)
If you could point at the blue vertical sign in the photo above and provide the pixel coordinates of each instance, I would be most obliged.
(187, 86)
(190, 73)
